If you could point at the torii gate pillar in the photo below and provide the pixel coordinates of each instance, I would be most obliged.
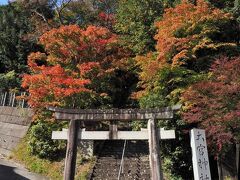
(154, 151)
(71, 154)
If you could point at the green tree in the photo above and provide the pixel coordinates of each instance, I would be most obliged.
(9, 80)
(14, 46)
(135, 22)
(55, 13)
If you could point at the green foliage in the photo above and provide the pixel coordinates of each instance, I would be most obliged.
(186, 50)
(168, 86)
(223, 4)
(170, 3)
(22, 154)
(232, 6)
(50, 168)
(40, 142)
(79, 12)
(135, 22)
(177, 159)
(14, 48)
(9, 80)
(43, 8)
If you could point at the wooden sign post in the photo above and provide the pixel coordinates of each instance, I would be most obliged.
(200, 160)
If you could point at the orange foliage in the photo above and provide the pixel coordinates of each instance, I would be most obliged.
(149, 66)
(182, 31)
(72, 54)
(184, 20)
(71, 44)
(51, 84)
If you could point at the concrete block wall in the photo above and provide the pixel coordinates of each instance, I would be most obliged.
(14, 124)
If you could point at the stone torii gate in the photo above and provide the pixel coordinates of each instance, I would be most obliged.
(113, 115)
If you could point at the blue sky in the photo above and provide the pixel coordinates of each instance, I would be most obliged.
(3, 2)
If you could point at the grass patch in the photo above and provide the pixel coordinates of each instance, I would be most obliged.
(22, 155)
(83, 167)
(51, 169)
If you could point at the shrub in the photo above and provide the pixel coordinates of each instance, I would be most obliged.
(40, 142)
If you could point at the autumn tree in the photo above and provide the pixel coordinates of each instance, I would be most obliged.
(213, 104)
(76, 69)
(189, 38)
(197, 32)
(198, 35)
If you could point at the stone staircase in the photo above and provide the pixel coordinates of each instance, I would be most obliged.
(136, 163)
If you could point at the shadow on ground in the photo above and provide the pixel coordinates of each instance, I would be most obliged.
(8, 173)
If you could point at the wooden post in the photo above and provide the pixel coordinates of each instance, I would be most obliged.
(113, 128)
(219, 165)
(154, 151)
(71, 153)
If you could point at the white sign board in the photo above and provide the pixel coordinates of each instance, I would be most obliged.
(200, 159)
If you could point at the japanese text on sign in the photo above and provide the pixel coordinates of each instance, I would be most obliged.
(200, 155)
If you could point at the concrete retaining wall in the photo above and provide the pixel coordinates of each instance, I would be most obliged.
(14, 123)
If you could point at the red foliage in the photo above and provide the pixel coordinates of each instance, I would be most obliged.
(71, 44)
(214, 104)
(183, 29)
(73, 58)
(106, 17)
(51, 84)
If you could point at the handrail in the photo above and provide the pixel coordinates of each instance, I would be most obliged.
(121, 164)
(9, 99)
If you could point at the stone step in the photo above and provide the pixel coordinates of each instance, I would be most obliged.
(123, 177)
(136, 161)
(112, 165)
(127, 155)
(129, 169)
(116, 159)
(136, 177)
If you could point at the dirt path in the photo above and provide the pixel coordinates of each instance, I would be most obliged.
(10, 170)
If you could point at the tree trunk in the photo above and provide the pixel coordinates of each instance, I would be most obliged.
(220, 172)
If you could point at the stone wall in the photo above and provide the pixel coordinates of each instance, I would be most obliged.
(14, 124)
